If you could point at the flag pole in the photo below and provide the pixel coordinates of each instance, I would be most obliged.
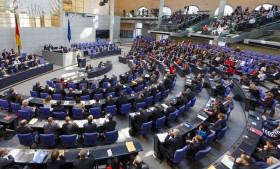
(16, 16)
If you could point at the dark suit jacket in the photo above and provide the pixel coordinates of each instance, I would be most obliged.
(110, 125)
(189, 96)
(50, 128)
(241, 166)
(140, 119)
(169, 110)
(60, 91)
(90, 127)
(173, 144)
(222, 108)
(194, 148)
(4, 162)
(24, 130)
(59, 109)
(83, 163)
(70, 128)
(168, 83)
(109, 90)
(161, 88)
(220, 89)
(10, 97)
(118, 89)
(105, 80)
(109, 102)
(49, 91)
(219, 125)
(153, 92)
(85, 92)
(36, 88)
(71, 95)
(121, 100)
(58, 164)
(83, 82)
(97, 91)
(114, 78)
(146, 94)
(155, 115)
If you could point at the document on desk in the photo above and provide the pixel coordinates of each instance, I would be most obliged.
(40, 156)
(66, 102)
(30, 98)
(164, 105)
(227, 162)
(211, 167)
(7, 118)
(201, 117)
(162, 136)
(33, 121)
(61, 152)
(109, 152)
(152, 108)
(130, 146)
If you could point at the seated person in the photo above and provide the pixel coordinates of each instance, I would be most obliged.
(5, 159)
(244, 80)
(260, 76)
(47, 102)
(270, 123)
(268, 101)
(254, 91)
(212, 115)
(30, 110)
(181, 101)
(270, 149)
(84, 160)
(139, 99)
(105, 79)
(230, 85)
(51, 127)
(194, 145)
(18, 99)
(85, 91)
(90, 126)
(189, 94)
(122, 99)
(139, 119)
(84, 81)
(244, 162)
(97, 103)
(110, 125)
(114, 164)
(109, 89)
(47, 90)
(109, 101)
(89, 68)
(78, 104)
(23, 129)
(228, 103)
(220, 89)
(273, 134)
(53, 162)
(69, 127)
(155, 114)
(269, 162)
(170, 109)
(59, 107)
(61, 91)
(71, 94)
(218, 125)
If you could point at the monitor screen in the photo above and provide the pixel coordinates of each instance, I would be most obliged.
(102, 34)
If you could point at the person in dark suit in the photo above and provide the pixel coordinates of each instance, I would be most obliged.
(96, 104)
(5, 159)
(110, 125)
(220, 106)
(10, 96)
(23, 129)
(172, 142)
(270, 149)
(153, 91)
(188, 94)
(59, 107)
(50, 127)
(228, 104)
(84, 161)
(122, 99)
(61, 91)
(268, 101)
(220, 124)
(3, 71)
(169, 109)
(161, 87)
(90, 126)
(53, 163)
(212, 114)
(145, 92)
(69, 128)
(37, 88)
(156, 113)
(84, 81)
(105, 79)
(113, 78)
(109, 89)
(47, 90)
(168, 82)
(139, 119)
(181, 101)
(196, 84)
(195, 145)
(85, 91)
(244, 162)
(139, 99)
(97, 90)
(71, 94)
(220, 89)
(118, 88)
(109, 101)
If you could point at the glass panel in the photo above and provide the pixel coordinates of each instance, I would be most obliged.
(228, 10)
(166, 11)
(266, 6)
(191, 10)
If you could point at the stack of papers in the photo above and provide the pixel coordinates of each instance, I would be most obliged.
(201, 117)
(33, 121)
(162, 137)
(40, 156)
(164, 105)
(130, 146)
(227, 162)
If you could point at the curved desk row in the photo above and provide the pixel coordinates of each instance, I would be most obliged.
(106, 53)
(23, 75)
(100, 71)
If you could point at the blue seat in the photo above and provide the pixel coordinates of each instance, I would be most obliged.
(112, 93)
(90, 139)
(45, 112)
(160, 122)
(5, 105)
(15, 107)
(129, 90)
(173, 85)
(26, 139)
(193, 102)
(130, 78)
(180, 155)
(157, 97)
(149, 101)
(201, 154)
(71, 85)
(135, 76)
(69, 141)
(140, 88)
(146, 127)
(33, 93)
(95, 112)
(85, 97)
(57, 96)
(221, 134)
(47, 140)
(209, 139)
(104, 85)
(228, 113)
(58, 84)
(77, 113)
(115, 83)
(81, 85)
(268, 108)
(24, 115)
(111, 136)
(165, 94)
(59, 115)
(228, 89)
(140, 105)
(172, 117)
(98, 95)
(93, 86)
(50, 83)
(43, 95)
(69, 98)
(147, 84)
(111, 109)
(181, 111)
(122, 91)
(125, 109)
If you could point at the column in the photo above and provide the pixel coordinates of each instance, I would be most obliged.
(112, 22)
(161, 4)
(221, 8)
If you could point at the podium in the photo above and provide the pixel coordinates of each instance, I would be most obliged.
(83, 62)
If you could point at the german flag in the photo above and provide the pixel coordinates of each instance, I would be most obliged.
(18, 41)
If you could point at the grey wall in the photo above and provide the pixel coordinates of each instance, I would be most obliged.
(145, 33)
(82, 30)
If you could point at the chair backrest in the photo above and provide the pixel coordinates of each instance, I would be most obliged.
(69, 140)
(45, 112)
(111, 136)
(228, 89)
(122, 91)
(33, 93)
(85, 97)
(93, 86)
(4, 105)
(135, 75)
(104, 85)
(95, 112)
(157, 97)
(209, 139)
(69, 98)
(47, 140)
(43, 95)
(173, 85)
(146, 127)
(77, 113)
(71, 85)
(129, 90)
(15, 107)
(90, 139)
(193, 101)
(24, 115)
(180, 155)
(57, 96)
(98, 95)
(129, 79)
(172, 117)
(181, 111)
(25, 139)
(165, 94)
(221, 134)
(140, 105)
(149, 101)
(202, 153)
(115, 82)
(59, 115)
(111, 109)
(125, 109)
(81, 85)
(160, 122)
(188, 106)
(112, 93)
(58, 84)
(140, 88)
